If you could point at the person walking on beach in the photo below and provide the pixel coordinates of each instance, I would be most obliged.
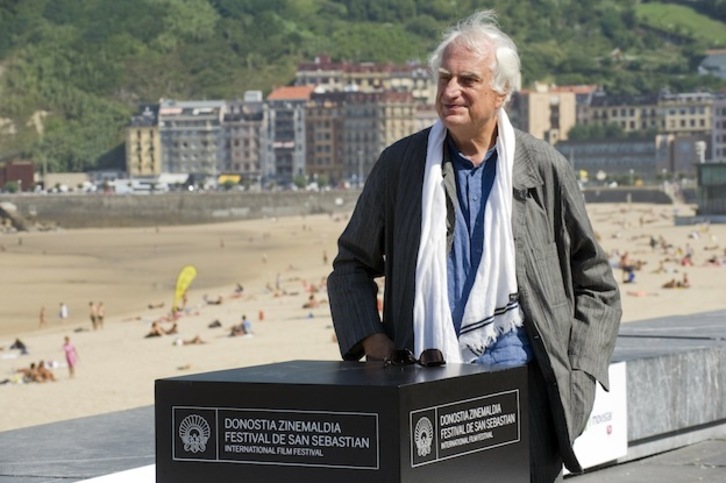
(93, 314)
(63, 311)
(488, 253)
(100, 314)
(42, 317)
(71, 356)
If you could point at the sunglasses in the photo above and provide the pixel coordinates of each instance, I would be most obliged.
(404, 357)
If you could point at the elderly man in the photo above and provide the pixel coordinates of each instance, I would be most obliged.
(487, 251)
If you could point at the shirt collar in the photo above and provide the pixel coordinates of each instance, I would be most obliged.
(461, 161)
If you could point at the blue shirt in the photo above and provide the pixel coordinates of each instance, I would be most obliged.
(473, 186)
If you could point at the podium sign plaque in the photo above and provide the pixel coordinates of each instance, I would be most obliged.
(320, 421)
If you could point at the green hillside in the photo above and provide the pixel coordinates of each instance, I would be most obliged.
(72, 72)
(682, 20)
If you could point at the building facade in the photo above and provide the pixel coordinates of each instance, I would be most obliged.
(286, 132)
(622, 158)
(144, 156)
(718, 134)
(686, 114)
(20, 172)
(546, 112)
(245, 137)
(191, 136)
(324, 132)
(631, 113)
(360, 135)
(328, 76)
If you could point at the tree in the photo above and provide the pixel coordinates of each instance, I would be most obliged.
(12, 186)
(300, 181)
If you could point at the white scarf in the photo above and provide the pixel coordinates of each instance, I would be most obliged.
(491, 309)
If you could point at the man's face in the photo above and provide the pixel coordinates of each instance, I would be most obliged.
(465, 101)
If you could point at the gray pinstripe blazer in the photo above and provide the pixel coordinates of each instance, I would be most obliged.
(567, 290)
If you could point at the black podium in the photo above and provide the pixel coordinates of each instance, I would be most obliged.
(320, 422)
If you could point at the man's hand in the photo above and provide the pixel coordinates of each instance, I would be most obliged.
(377, 347)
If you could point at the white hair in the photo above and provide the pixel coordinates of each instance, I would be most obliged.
(481, 34)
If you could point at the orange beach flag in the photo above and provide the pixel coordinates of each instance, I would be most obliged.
(183, 281)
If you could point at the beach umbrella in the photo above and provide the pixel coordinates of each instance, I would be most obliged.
(183, 281)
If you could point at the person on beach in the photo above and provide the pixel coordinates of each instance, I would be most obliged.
(488, 253)
(20, 345)
(71, 356)
(196, 340)
(44, 373)
(93, 315)
(100, 314)
(63, 311)
(216, 301)
(30, 374)
(243, 328)
(157, 330)
(42, 318)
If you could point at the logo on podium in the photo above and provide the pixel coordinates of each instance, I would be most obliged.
(194, 432)
(195, 435)
(423, 437)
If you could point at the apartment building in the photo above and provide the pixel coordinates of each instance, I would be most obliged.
(678, 114)
(144, 156)
(245, 136)
(329, 76)
(546, 112)
(191, 136)
(324, 133)
(425, 116)
(361, 142)
(718, 134)
(371, 122)
(415, 79)
(286, 132)
(686, 113)
(631, 113)
(396, 117)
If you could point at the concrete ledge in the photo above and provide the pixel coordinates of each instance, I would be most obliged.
(676, 381)
(656, 446)
(78, 449)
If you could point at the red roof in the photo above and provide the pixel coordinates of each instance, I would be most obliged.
(291, 93)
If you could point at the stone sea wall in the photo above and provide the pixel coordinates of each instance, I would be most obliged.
(183, 208)
(178, 208)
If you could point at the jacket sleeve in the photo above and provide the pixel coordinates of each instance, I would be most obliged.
(352, 289)
(597, 308)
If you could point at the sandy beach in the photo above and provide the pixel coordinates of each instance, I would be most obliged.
(280, 263)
